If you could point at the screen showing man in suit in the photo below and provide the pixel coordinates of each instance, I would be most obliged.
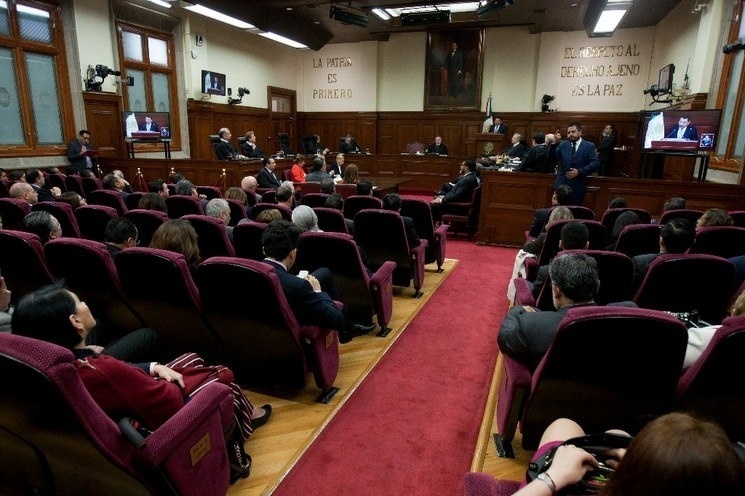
(149, 125)
(685, 130)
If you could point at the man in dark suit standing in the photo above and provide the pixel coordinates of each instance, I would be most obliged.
(498, 127)
(78, 153)
(267, 178)
(684, 130)
(149, 125)
(438, 147)
(577, 159)
(311, 297)
(454, 64)
(605, 149)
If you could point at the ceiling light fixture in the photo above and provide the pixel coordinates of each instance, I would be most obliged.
(281, 39)
(161, 3)
(488, 6)
(218, 16)
(603, 16)
(382, 14)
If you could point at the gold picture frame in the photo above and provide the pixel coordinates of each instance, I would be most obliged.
(454, 69)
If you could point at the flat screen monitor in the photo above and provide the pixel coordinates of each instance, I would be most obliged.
(665, 81)
(146, 125)
(681, 130)
(213, 83)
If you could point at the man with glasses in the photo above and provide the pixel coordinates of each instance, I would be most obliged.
(120, 234)
(79, 153)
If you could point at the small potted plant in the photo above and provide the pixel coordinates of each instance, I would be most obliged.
(545, 101)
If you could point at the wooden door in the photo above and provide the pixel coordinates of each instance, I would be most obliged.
(282, 115)
(103, 115)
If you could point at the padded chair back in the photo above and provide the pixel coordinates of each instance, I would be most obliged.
(314, 200)
(346, 190)
(4, 193)
(284, 143)
(722, 241)
(75, 183)
(209, 191)
(62, 425)
(738, 217)
(360, 293)
(212, 237)
(91, 184)
(690, 215)
(269, 196)
(56, 180)
(287, 175)
(180, 205)
(610, 216)
(421, 213)
(266, 348)
(463, 215)
(23, 263)
(714, 387)
(214, 141)
(639, 239)
(64, 213)
(147, 222)
(306, 188)
(368, 226)
(414, 147)
(553, 236)
(89, 271)
(237, 211)
(108, 198)
(12, 211)
(247, 240)
(260, 207)
(585, 375)
(93, 219)
(331, 220)
(683, 283)
(355, 203)
(132, 201)
(159, 286)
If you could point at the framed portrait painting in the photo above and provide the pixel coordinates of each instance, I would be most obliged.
(454, 67)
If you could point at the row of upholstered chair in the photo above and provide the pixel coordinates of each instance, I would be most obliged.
(587, 376)
(253, 330)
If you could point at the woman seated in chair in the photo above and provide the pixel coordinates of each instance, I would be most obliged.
(675, 454)
(150, 393)
(178, 236)
(351, 174)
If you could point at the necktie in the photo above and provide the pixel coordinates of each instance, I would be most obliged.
(574, 148)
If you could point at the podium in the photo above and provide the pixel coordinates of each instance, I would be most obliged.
(488, 144)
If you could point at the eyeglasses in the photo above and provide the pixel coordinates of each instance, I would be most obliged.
(135, 240)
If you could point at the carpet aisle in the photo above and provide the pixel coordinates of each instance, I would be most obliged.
(411, 426)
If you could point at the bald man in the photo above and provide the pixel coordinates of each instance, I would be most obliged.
(24, 191)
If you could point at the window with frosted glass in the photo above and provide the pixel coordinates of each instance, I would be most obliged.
(11, 124)
(157, 51)
(34, 24)
(281, 104)
(132, 46)
(161, 95)
(136, 93)
(4, 23)
(43, 88)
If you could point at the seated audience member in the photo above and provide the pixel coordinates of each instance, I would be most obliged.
(43, 224)
(699, 337)
(37, 181)
(6, 310)
(674, 454)
(336, 202)
(114, 183)
(23, 191)
(714, 217)
(562, 196)
(535, 158)
(317, 171)
(86, 173)
(392, 202)
(249, 185)
(153, 201)
(250, 149)
(365, 187)
(336, 170)
(574, 236)
(305, 218)
(72, 198)
(297, 173)
(178, 236)
(517, 149)
(3, 174)
(739, 262)
(526, 332)
(175, 177)
(236, 193)
(120, 234)
(676, 237)
(349, 145)
(267, 177)
(158, 186)
(219, 209)
(17, 175)
(269, 215)
(438, 146)
(155, 392)
(618, 202)
(224, 149)
(185, 188)
(328, 186)
(312, 297)
(627, 218)
(351, 174)
(285, 194)
(676, 203)
(127, 187)
(462, 190)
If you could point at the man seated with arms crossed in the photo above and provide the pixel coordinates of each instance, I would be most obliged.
(527, 333)
(224, 149)
(311, 297)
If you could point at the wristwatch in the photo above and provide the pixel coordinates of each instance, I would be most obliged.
(546, 479)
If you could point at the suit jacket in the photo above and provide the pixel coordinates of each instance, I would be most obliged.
(44, 194)
(586, 162)
(534, 160)
(539, 221)
(309, 307)
(441, 149)
(348, 147)
(411, 235)
(316, 176)
(75, 156)
(267, 179)
(641, 267)
(334, 169)
(516, 151)
(462, 190)
(153, 127)
(225, 151)
(605, 148)
(690, 133)
(252, 151)
(500, 129)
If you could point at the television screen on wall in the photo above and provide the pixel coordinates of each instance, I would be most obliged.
(146, 125)
(682, 130)
(665, 80)
(213, 83)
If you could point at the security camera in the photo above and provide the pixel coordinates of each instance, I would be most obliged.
(243, 91)
(102, 71)
(653, 90)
